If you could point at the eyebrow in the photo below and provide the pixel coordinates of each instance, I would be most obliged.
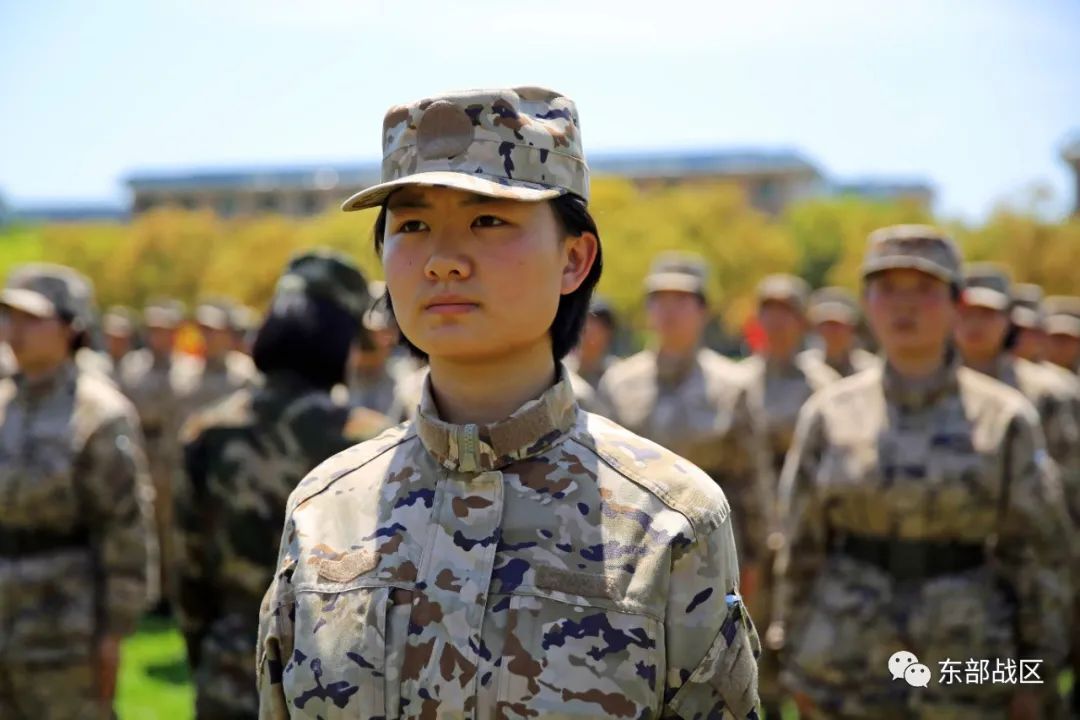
(413, 202)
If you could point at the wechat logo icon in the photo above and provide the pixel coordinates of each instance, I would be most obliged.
(903, 665)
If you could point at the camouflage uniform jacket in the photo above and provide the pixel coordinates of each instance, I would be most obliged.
(204, 383)
(242, 458)
(780, 390)
(856, 361)
(77, 550)
(701, 410)
(153, 386)
(376, 392)
(550, 565)
(955, 460)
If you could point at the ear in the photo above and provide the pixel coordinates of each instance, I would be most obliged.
(579, 254)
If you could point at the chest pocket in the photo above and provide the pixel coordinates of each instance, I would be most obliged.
(349, 642)
(38, 478)
(577, 657)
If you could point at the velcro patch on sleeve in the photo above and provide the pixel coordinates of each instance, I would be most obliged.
(348, 567)
(575, 583)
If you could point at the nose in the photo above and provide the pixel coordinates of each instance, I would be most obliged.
(447, 261)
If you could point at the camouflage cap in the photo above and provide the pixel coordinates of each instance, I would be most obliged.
(166, 314)
(244, 318)
(788, 289)
(914, 247)
(118, 320)
(1062, 315)
(833, 304)
(330, 275)
(987, 285)
(520, 144)
(46, 290)
(678, 272)
(214, 315)
(1027, 311)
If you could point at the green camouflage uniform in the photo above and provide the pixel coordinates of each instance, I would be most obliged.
(549, 565)
(77, 550)
(921, 516)
(242, 458)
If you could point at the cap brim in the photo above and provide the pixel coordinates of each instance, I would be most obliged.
(1063, 325)
(673, 282)
(909, 263)
(1026, 318)
(29, 302)
(793, 301)
(487, 185)
(832, 312)
(986, 298)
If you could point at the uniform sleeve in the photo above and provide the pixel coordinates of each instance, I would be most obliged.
(748, 479)
(1030, 548)
(121, 519)
(195, 606)
(276, 640)
(712, 645)
(801, 518)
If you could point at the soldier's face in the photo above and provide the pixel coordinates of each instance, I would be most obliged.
(117, 345)
(784, 327)
(39, 344)
(160, 340)
(837, 336)
(1030, 344)
(911, 313)
(677, 318)
(980, 332)
(474, 278)
(1063, 350)
(218, 342)
(595, 338)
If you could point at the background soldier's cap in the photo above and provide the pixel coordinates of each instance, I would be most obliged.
(213, 315)
(244, 318)
(677, 272)
(833, 304)
(519, 144)
(45, 290)
(1027, 309)
(987, 285)
(118, 320)
(913, 247)
(784, 288)
(330, 275)
(602, 309)
(1062, 315)
(167, 314)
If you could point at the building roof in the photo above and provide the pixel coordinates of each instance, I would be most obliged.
(68, 212)
(330, 175)
(884, 188)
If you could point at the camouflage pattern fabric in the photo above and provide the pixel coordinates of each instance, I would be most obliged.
(521, 144)
(700, 410)
(550, 565)
(205, 382)
(855, 361)
(242, 458)
(77, 551)
(955, 460)
(153, 384)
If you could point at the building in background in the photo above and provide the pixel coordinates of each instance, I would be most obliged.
(771, 179)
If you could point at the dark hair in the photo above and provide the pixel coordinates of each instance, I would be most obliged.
(308, 336)
(575, 220)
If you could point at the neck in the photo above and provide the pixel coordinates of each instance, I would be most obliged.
(917, 366)
(837, 355)
(490, 390)
(42, 373)
(984, 364)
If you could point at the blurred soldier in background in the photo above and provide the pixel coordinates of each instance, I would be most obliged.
(834, 313)
(152, 378)
(77, 550)
(243, 321)
(981, 332)
(243, 457)
(1029, 322)
(1063, 331)
(692, 401)
(779, 381)
(920, 515)
(118, 325)
(373, 376)
(223, 370)
(593, 357)
(8, 365)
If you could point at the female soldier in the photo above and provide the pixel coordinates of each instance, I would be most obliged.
(920, 520)
(504, 554)
(243, 457)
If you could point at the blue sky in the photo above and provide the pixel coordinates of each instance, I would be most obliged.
(976, 97)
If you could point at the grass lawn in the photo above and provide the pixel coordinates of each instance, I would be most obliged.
(155, 685)
(154, 681)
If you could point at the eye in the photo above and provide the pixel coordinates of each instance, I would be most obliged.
(488, 221)
(412, 226)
